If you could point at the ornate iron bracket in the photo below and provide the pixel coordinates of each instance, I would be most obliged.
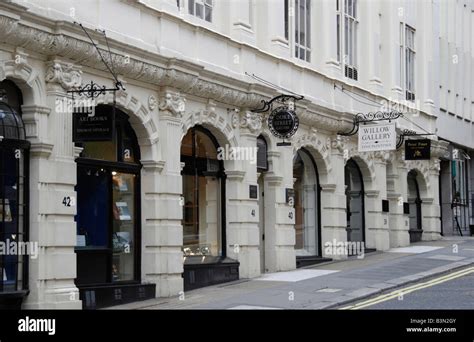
(409, 133)
(370, 117)
(92, 90)
(283, 99)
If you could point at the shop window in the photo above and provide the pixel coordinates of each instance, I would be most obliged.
(108, 207)
(306, 205)
(14, 187)
(202, 195)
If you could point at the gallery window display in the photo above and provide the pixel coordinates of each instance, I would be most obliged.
(108, 196)
(14, 188)
(202, 229)
(306, 205)
(204, 239)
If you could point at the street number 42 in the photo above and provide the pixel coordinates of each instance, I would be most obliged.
(69, 201)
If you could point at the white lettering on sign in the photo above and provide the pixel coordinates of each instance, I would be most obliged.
(377, 137)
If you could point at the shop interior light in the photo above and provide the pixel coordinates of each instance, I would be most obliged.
(114, 173)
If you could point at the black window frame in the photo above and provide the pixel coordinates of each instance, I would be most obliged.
(192, 167)
(122, 124)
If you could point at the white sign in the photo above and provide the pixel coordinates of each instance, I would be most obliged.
(377, 137)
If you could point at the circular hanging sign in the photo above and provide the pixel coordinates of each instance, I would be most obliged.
(283, 122)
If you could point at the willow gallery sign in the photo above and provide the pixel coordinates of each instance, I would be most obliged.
(377, 137)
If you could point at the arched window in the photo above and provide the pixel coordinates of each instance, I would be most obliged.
(14, 188)
(262, 155)
(108, 207)
(414, 202)
(203, 231)
(306, 201)
(355, 202)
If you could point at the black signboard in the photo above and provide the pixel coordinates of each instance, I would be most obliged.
(93, 125)
(406, 208)
(418, 149)
(283, 122)
(385, 206)
(290, 196)
(253, 191)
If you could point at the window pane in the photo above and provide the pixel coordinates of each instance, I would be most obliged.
(297, 22)
(201, 227)
(191, 6)
(199, 10)
(123, 238)
(346, 38)
(92, 212)
(338, 37)
(354, 48)
(208, 13)
(308, 23)
(305, 206)
(205, 147)
(349, 38)
(302, 22)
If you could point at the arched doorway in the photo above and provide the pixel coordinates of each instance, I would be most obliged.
(355, 206)
(414, 203)
(307, 209)
(204, 233)
(108, 217)
(14, 191)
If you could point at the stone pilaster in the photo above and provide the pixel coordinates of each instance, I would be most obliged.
(53, 177)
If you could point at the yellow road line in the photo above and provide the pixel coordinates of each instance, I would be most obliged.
(409, 289)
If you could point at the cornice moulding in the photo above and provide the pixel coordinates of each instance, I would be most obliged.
(14, 32)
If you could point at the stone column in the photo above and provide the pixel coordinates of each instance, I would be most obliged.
(333, 202)
(430, 208)
(52, 178)
(398, 222)
(279, 216)
(376, 222)
(243, 235)
(162, 186)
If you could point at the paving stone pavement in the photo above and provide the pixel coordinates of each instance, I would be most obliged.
(353, 279)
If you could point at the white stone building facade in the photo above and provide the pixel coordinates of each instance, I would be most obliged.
(455, 117)
(184, 66)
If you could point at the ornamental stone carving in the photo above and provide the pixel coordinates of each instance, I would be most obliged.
(152, 102)
(251, 121)
(68, 76)
(337, 143)
(169, 74)
(174, 104)
(235, 118)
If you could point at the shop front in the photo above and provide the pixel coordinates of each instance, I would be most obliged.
(15, 248)
(204, 212)
(109, 216)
